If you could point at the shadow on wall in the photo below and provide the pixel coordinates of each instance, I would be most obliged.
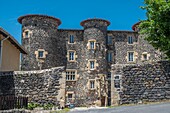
(7, 86)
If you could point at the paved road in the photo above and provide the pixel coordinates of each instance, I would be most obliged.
(154, 108)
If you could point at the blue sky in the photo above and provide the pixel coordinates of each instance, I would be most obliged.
(121, 13)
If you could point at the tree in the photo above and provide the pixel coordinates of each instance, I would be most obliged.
(157, 26)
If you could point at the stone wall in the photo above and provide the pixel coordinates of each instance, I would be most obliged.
(141, 83)
(44, 86)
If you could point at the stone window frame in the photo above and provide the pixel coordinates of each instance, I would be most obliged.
(109, 60)
(76, 75)
(94, 85)
(71, 34)
(135, 54)
(73, 95)
(68, 56)
(29, 33)
(133, 42)
(109, 35)
(120, 81)
(44, 54)
(95, 64)
(147, 56)
(89, 44)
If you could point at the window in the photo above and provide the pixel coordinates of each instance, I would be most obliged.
(26, 34)
(40, 54)
(109, 76)
(117, 81)
(92, 64)
(130, 56)
(71, 55)
(70, 75)
(92, 84)
(109, 40)
(130, 40)
(145, 57)
(71, 39)
(92, 44)
(109, 56)
(70, 95)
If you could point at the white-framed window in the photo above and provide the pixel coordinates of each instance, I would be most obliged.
(130, 40)
(71, 39)
(109, 40)
(130, 56)
(70, 75)
(40, 54)
(71, 55)
(92, 64)
(92, 84)
(109, 56)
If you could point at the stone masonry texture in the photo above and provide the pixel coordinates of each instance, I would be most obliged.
(43, 87)
(45, 35)
(143, 83)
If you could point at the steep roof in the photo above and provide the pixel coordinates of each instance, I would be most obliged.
(13, 41)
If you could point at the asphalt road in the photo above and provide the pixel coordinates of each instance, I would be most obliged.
(154, 108)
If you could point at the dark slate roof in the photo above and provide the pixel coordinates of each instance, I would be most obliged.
(38, 15)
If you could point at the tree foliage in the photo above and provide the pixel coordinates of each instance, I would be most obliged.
(157, 26)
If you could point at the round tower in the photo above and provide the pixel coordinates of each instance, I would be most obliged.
(41, 39)
(93, 64)
(95, 33)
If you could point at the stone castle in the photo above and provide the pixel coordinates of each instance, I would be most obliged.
(87, 54)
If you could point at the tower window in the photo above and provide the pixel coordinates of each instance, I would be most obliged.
(26, 34)
(71, 55)
(130, 56)
(92, 44)
(40, 54)
(144, 56)
(92, 64)
(130, 40)
(109, 56)
(109, 40)
(92, 84)
(71, 40)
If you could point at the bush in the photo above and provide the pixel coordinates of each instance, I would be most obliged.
(31, 106)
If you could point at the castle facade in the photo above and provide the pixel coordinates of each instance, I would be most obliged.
(87, 54)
